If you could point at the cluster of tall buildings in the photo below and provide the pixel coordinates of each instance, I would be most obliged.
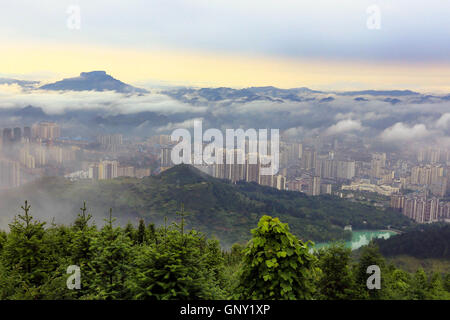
(28, 153)
(335, 169)
(433, 155)
(313, 167)
(12, 136)
(39, 155)
(110, 142)
(251, 169)
(237, 165)
(311, 185)
(427, 174)
(421, 209)
(41, 131)
(110, 169)
(161, 140)
(432, 175)
(104, 170)
(327, 166)
(46, 130)
(290, 153)
(22, 150)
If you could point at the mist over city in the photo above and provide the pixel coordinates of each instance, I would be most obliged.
(225, 151)
(95, 127)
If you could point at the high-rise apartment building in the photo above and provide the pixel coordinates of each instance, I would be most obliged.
(125, 171)
(166, 157)
(315, 186)
(17, 134)
(40, 154)
(46, 130)
(104, 170)
(9, 174)
(26, 159)
(235, 165)
(345, 170)
(377, 165)
(325, 188)
(421, 209)
(252, 170)
(427, 175)
(55, 154)
(279, 182)
(7, 137)
(111, 142)
(308, 159)
(27, 133)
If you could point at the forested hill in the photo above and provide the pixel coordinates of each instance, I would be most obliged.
(424, 241)
(216, 207)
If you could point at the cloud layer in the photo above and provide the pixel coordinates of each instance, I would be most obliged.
(414, 118)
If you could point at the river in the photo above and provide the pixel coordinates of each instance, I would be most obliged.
(360, 238)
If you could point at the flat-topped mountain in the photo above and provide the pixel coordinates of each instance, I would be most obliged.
(93, 81)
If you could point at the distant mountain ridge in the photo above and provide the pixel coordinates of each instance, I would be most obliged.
(224, 95)
(101, 81)
(22, 83)
(93, 81)
(392, 93)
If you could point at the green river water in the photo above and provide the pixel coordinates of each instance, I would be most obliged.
(361, 238)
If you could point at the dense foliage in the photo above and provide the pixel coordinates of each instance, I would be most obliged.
(173, 262)
(217, 207)
(424, 241)
(276, 264)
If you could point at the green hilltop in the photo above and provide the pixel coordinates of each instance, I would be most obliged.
(214, 206)
(427, 241)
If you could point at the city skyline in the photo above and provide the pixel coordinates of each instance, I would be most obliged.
(225, 151)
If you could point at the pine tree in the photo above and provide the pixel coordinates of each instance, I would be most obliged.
(151, 233)
(446, 282)
(111, 262)
(81, 250)
(436, 290)
(182, 223)
(398, 285)
(24, 253)
(175, 268)
(420, 285)
(215, 260)
(130, 232)
(141, 237)
(82, 220)
(82, 237)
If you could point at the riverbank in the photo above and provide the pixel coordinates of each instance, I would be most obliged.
(361, 238)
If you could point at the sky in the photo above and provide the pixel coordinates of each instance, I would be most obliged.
(322, 44)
